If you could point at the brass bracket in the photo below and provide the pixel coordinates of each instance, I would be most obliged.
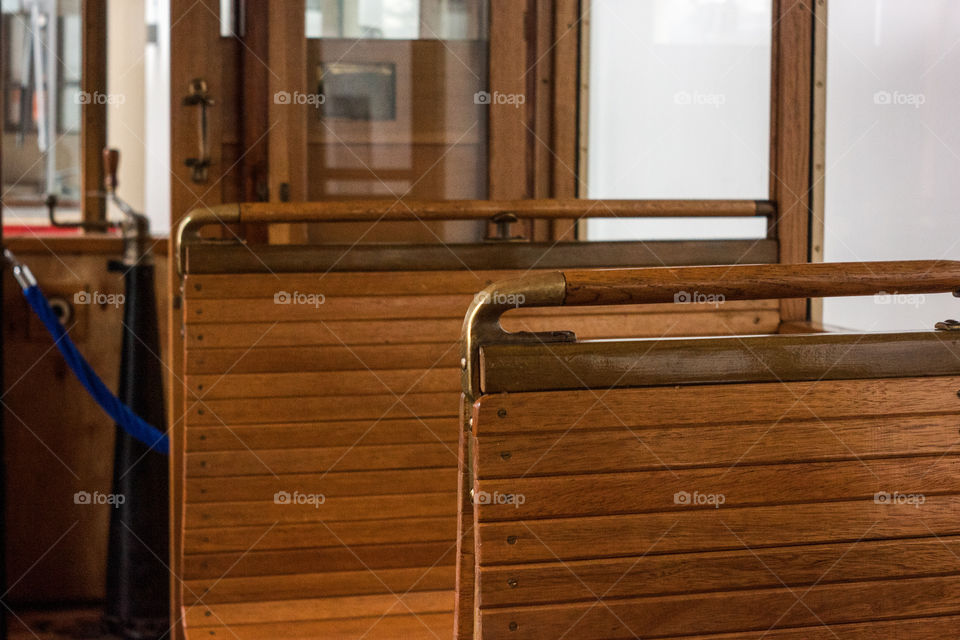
(482, 322)
(482, 326)
(948, 325)
(188, 231)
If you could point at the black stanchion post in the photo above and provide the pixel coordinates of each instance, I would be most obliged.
(137, 562)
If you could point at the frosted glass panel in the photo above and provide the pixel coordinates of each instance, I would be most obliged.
(679, 102)
(893, 149)
(394, 19)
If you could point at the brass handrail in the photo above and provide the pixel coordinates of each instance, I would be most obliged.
(435, 210)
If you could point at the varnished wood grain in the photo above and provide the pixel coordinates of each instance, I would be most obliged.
(650, 448)
(729, 612)
(321, 534)
(768, 403)
(354, 400)
(751, 282)
(615, 493)
(798, 566)
(318, 585)
(313, 435)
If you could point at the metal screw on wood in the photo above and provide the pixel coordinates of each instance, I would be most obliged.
(506, 455)
(511, 539)
(501, 413)
(513, 582)
(514, 626)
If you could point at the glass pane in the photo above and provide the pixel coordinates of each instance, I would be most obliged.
(679, 105)
(41, 111)
(393, 19)
(893, 150)
(394, 83)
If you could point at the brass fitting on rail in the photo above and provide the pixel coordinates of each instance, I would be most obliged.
(189, 228)
(482, 322)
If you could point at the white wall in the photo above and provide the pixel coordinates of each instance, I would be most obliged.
(157, 119)
(126, 38)
(893, 148)
(139, 73)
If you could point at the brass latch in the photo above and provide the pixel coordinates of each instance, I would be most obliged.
(198, 96)
(500, 228)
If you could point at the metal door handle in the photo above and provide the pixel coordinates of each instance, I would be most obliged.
(199, 96)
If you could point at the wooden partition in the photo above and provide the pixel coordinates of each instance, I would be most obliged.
(784, 487)
(320, 438)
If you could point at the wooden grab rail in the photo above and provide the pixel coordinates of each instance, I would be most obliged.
(685, 285)
(434, 210)
(757, 282)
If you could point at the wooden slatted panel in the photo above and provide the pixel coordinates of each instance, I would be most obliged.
(719, 511)
(352, 396)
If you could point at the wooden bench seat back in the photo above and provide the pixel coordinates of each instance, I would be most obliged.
(783, 487)
(321, 430)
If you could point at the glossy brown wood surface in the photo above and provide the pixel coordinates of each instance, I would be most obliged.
(390, 209)
(754, 282)
(356, 399)
(801, 547)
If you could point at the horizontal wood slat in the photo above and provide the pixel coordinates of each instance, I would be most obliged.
(328, 358)
(317, 585)
(329, 484)
(718, 404)
(387, 332)
(727, 612)
(620, 449)
(714, 529)
(910, 629)
(360, 458)
(327, 383)
(316, 307)
(322, 534)
(421, 626)
(331, 510)
(320, 608)
(352, 407)
(315, 560)
(543, 583)
(648, 491)
(345, 433)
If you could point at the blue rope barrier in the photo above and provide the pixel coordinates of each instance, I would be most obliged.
(119, 412)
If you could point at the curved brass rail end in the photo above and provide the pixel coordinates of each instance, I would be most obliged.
(189, 228)
(482, 322)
